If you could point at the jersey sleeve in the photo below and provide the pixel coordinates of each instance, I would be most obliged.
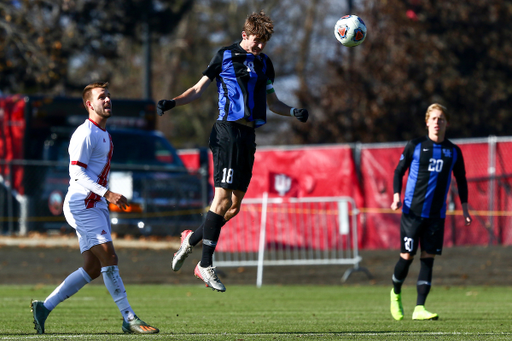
(459, 171)
(215, 67)
(80, 149)
(401, 168)
(78, 173)
(270, 70)
(270, 73)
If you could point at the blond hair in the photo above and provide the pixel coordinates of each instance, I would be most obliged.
(259, 25)
(437, 106)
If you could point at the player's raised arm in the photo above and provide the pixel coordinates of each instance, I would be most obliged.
(191, 94)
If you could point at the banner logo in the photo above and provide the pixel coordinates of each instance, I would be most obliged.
(282, 184)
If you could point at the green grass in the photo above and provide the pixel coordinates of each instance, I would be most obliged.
(268, 313)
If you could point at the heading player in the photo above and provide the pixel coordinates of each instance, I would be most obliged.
(245, 78)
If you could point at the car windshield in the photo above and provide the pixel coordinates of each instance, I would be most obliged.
(130, 148)
(141, 149)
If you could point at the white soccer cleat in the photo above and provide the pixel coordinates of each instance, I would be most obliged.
(183, 252)
(209, 276)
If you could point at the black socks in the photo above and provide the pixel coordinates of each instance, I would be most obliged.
(211, 232)
(197, 236)
(401, 271)
(424, 280)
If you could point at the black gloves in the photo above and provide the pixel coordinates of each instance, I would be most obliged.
(301, 114)
(164, 105)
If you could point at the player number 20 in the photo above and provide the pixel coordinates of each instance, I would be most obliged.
(227, 175)
(435, 165)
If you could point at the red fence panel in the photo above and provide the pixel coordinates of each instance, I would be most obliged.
(476, 160)
(381, 225)
(503, 191)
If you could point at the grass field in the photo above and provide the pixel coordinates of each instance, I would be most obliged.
(268, 313)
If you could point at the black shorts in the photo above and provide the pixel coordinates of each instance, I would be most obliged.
(233, 147)
(429, 232)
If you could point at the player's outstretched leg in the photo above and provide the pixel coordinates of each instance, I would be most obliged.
(209, 276)
(397, 310)
(137, 326)
(421, 314)
(40, 315)
(183, 252)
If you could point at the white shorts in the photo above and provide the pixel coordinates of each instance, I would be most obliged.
(92, 225)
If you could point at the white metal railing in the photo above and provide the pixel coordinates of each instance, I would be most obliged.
(292, 231)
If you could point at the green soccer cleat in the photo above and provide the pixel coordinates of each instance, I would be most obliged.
(397, 311)
(421, 314)
(40, 315)
(137, 326)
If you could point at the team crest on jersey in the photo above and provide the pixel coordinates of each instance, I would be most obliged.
(447, 152)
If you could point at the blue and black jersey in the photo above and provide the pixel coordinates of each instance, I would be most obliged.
(430, 167)
(242, 80)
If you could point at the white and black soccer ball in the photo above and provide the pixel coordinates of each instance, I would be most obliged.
(350, 30)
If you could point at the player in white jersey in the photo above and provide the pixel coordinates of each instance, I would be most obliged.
(86, 210)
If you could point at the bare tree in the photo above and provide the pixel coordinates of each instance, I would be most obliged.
(57, 46)
(418, 53)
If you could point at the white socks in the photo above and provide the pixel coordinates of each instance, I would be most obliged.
(115, 286)
(79, 278)
(68, 288)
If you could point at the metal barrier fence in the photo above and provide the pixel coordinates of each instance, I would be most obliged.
(293, 231)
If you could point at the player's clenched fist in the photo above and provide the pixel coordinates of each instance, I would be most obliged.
(164, 105)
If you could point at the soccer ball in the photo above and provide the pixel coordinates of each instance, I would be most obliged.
(350, 30)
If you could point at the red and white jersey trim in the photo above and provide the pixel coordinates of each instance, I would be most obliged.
(79, 164)
(90, 152)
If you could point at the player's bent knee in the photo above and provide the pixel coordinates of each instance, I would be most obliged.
(406, 256)
(232, 212)
(93, 272)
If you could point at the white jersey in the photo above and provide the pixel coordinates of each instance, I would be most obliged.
(90, 152)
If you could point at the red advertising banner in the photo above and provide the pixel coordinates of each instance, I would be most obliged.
(12, 132)
(305, 172)
(294, 172)
(297, 172)
(381, 226)
(503, 191)
(331, 171)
